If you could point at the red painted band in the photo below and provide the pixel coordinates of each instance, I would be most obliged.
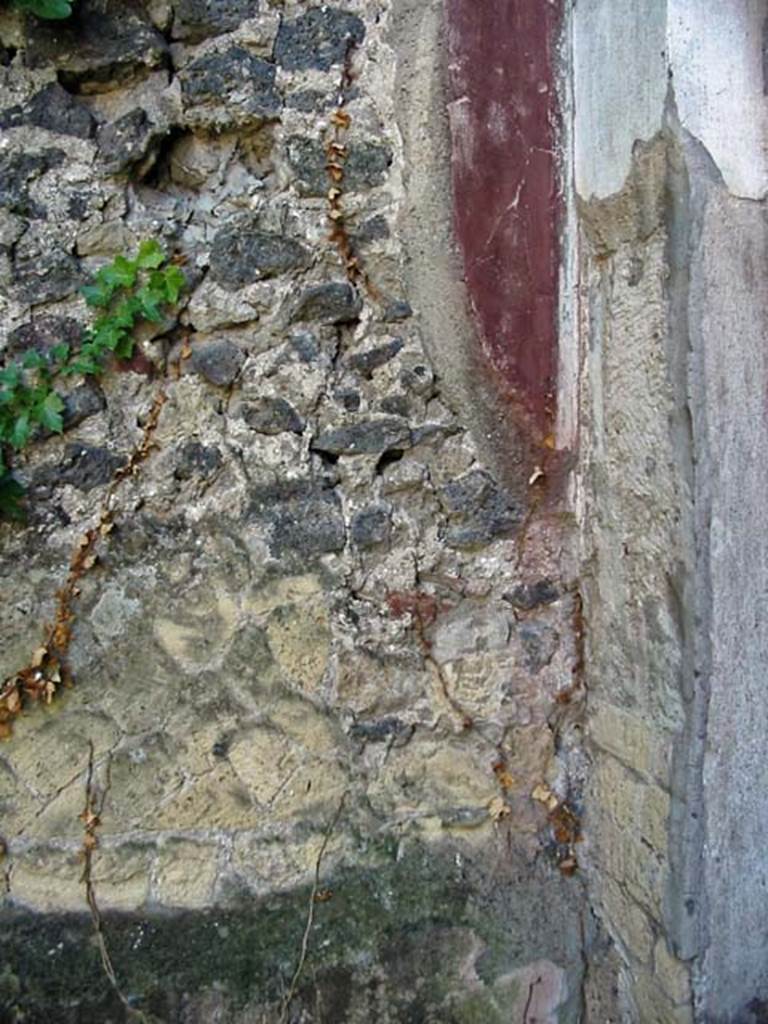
(504, 114)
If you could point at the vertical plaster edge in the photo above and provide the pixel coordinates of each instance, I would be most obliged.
(417, 34)
(685, 903)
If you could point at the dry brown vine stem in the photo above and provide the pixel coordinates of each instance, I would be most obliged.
(91, 818)
(314, 898)
(48, 669)
(336, 156)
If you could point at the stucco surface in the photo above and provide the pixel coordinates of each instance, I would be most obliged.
(729, 306)
(672, 317)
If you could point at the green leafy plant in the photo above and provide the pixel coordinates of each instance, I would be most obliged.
(52, 10)
(126, 293)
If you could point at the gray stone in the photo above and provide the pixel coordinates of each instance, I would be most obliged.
(372, 526)
(478, 511)
(42, 276)
(539, 643)
(470, 629)
(232, 88)
(369, 437)
(17, 172)
(311, 527)
(197, 460)
(418, 379)
(348, 398)
(308, 100)
(219, 362)
(366, 362)
(82, 466)
(54, 109)
(304, 519)
(366, 165)
(85, 401)
(377, 732)
(43, 333)
(372, 230)
(318, 39)
(107, 42)
(438, 432)
(305, 345)
(272, 416)
(530, 595)
(396, 310)
(79, 207)
(334, 303)
(127, 141)
(12, 117)
(195, 20)
(396, 405)
(112, 613)
(242, 254)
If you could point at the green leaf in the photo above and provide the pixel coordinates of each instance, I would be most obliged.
(32, 360)
(11, 375)
(174, 283)
(125, 314)
(124, 349)
(83, 364)
(150, 304)
(105, 338)
(54, 10)
(124, 271)
(11, 494)
(96, 295)
(21, 431)
(50, 412)
(150, 255)
(121, 273)
(59, 353)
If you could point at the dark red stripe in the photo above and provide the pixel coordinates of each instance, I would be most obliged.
(504, 123)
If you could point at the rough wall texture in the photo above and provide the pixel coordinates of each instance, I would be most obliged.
(330, 661)
(728, 304)
(670, 171)
(324, 616)
(639, 553)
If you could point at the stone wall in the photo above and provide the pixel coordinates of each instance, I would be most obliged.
(326, 658)
(332, 662)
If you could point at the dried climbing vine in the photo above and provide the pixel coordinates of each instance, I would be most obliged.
(48, 669)
(91, 819)
(336, 156)
(127, 292)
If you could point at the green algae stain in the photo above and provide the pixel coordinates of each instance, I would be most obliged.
(398, 934)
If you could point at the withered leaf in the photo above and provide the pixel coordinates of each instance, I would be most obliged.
(498, 808)
(568, 866)
(39, 657)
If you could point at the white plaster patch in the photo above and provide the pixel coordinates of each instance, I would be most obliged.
(620, 84)
(716, 55)
(462, 131)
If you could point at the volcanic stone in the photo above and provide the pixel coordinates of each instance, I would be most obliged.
(318, 39)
